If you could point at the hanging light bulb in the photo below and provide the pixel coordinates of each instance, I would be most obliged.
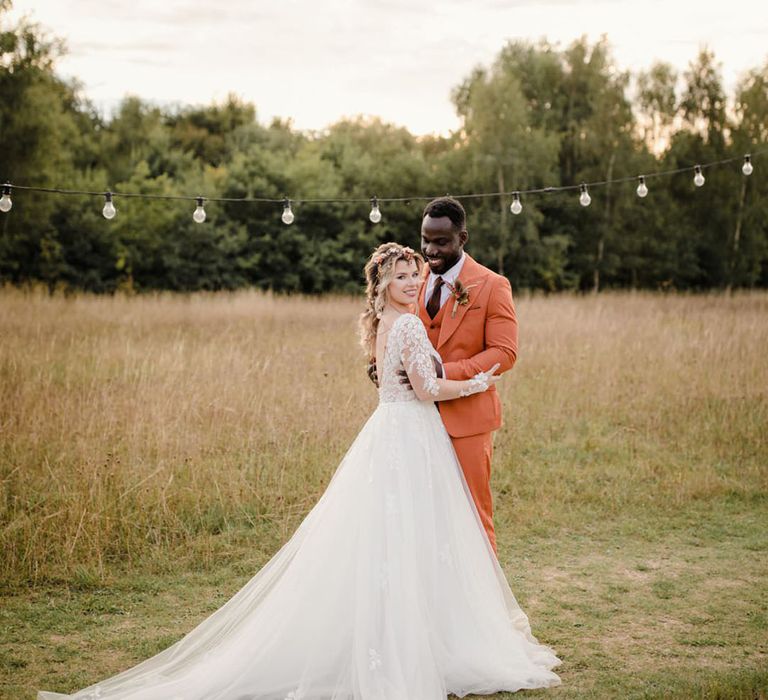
(199, 213)
(584, 198)
(287, 216)
(698, 178)
(375, 215)
(516, 207)
(747, 167)
(642, 189)
(5, 200)
(109, 210)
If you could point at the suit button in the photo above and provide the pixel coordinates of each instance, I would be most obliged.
(432, 326)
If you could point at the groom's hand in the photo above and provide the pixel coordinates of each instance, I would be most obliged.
(372, 374)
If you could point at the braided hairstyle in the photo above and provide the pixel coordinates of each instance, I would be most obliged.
(379, 272)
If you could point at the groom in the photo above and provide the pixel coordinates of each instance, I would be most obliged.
(470, 318)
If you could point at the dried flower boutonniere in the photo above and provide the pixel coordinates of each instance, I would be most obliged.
(460, 294)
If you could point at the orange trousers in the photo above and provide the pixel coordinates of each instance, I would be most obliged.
(475, 453)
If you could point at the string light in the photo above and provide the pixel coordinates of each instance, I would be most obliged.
(287, 216)
(5, 200)
(584, 198)
(375, 215)
(199, 214)
(109, 210)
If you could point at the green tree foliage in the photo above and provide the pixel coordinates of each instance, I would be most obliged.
(747, 245)
(502, 145)
(39, 117)
(538, 116)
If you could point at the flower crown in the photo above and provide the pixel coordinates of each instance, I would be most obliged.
(401, 251)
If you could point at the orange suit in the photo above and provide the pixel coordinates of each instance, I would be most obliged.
(479, 334)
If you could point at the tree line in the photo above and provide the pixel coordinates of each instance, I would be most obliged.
(539, 116)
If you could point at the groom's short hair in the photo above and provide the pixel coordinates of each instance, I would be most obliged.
(450, 207)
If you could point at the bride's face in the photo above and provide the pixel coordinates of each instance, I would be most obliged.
(404, 287)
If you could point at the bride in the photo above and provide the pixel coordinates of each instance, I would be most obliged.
(389, 589)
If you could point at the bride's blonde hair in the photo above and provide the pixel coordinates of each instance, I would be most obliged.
(379, 272)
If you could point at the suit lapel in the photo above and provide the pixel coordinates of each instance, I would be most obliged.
(471, 276)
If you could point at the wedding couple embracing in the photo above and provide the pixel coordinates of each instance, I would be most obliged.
(390, 588)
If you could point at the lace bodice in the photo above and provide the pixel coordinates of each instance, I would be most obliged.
(408, 348)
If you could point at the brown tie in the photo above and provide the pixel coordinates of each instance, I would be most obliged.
(433, 305)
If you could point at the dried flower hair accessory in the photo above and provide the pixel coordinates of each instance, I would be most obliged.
(406, 253)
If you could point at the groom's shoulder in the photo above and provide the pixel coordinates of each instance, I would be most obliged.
(495, 277)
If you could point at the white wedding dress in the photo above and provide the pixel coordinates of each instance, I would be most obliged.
(388, 590)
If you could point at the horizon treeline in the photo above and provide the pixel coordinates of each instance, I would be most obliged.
(539, 116)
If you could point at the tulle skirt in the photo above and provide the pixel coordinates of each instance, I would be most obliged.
(388, 590)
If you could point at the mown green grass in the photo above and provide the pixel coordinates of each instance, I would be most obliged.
(156, 452)
(636, 606)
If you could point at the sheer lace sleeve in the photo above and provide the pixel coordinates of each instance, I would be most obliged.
(415, 353)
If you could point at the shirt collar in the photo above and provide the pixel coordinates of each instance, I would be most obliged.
(452, 273)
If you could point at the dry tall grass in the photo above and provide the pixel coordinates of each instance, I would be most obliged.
(147, 428)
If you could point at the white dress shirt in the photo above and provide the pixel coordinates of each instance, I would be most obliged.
(449, 276)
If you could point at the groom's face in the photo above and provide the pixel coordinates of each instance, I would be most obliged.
(441, 243)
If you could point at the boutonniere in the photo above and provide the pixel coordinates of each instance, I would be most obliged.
(460, 294)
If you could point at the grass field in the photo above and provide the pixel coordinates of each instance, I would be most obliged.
(155, 451)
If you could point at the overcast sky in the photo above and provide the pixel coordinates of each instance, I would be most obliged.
(316, 61)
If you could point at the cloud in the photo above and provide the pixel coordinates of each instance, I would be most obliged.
(193, 14)
(497, 5)
(125, 47)
(313, 60)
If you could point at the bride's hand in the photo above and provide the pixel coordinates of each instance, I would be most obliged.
(490, 375)
(482, 381)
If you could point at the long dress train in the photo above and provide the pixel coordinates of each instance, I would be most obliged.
(388, 590)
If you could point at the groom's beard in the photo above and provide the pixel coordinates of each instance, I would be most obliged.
(442, 264)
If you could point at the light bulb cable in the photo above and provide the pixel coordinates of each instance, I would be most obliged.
(334, 200)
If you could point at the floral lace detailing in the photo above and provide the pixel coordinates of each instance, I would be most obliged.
(408, 348)
(476, 384)
(374, 660)
(384, 577)
(446, 556)
(390, 505)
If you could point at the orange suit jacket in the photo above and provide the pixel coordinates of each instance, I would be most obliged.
(480, 334)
